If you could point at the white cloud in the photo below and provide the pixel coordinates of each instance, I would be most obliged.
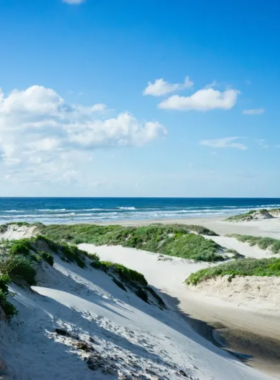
(262, 143)
(227, 142)
(43, 137)
(98, 107)
(161, 87)
(203, 100)
(73, 1)
(212, 84)
(257, 111)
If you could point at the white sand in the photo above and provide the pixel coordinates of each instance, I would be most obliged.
(247, 290)
(139, 337)
(128, 335)
(243, 248)
(15, 232)
(248, 313)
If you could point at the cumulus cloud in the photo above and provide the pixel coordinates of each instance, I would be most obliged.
(161, 87)
(203, 100)
(227, 142)
(40, 131)
(256, 111)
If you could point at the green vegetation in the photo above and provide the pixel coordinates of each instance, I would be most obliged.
(244, 267)
(250, 215)
(29, 249)
(7, 307)
(241, 217)
(18, 267)
(262, 242)
(125, 274)
(47, 257)
(73, 254)
(235, 254)
(38, 248)
(4, 227)
(129, 278)
(18, 257)
(175, 240)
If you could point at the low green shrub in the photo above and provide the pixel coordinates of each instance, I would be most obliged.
(47, 257)
(18, 267)
(241, 217)
(261, 242)
(124, 273)
(236, 255)
(242, 267)
(93, 256)
(8, 308)
(20, 247)
(176, 240)
(72, 253)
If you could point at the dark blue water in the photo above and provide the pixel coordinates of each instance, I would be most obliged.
(71, 210)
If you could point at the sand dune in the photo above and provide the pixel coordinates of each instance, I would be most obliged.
(77, 324)
(243, 313)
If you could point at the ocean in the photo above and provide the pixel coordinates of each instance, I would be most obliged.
(86, 210)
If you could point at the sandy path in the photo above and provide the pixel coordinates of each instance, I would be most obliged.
(237, 323)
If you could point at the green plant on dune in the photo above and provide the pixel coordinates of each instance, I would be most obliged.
(20, 247)
(249, 215)
(175, 240)
(123, 272)
(18, 267)
(27, 247)
(21, 257)
(243, 267)
(241, 217)
(47, 257)
(8, 308)
(261, 242)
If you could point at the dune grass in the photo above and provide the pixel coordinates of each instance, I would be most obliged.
(249, 215)
(243, 267)
(262, 242)
(7, 307)
(18, 267)
(175, 240)
(18, 258)
(241, 217)
(123, 272)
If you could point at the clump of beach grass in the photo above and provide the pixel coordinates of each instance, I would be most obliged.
(8, 308)
(262, 242)
(243, 267)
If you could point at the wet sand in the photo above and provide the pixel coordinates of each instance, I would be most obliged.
(250, 333)
(252, 336)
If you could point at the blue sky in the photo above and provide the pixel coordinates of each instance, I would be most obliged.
(142, 98)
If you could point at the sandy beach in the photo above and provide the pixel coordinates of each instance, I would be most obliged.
(240, 316)
(244, 322)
